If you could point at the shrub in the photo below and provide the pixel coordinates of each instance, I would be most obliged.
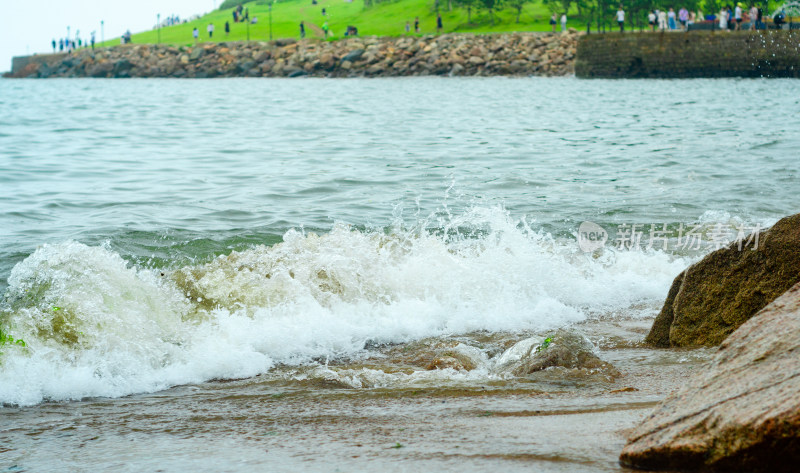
(232, 3)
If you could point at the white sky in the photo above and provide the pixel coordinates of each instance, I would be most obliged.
(28, 26)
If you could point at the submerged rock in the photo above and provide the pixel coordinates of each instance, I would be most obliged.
(452, 361)
(741, 412)
(460, 357)
(438, 354)
(565, 349)
(713, 297)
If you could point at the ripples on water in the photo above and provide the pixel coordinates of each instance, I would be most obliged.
(93, 158)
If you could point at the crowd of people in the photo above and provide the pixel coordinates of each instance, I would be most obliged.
(172, 20)
(554, 20)
(730, 17)
(439, 24)
(241, 14)
(70, 44)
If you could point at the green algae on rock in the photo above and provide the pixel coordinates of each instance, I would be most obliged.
(565, 349)
(712, 298)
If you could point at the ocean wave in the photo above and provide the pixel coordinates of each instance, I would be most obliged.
(94, 325)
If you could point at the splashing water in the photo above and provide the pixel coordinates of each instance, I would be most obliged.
(97, 326)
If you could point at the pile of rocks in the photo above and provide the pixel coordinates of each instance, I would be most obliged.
(508, 54)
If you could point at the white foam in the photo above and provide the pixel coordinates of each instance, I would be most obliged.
(311, 296)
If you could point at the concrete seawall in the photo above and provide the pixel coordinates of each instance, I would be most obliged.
(686, 55)
(508, 54)
(611, 55)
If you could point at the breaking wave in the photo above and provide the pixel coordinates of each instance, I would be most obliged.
(94, 325)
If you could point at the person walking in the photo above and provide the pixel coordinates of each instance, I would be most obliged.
(210, 29)
(416, 24)
(753, 17)
(662, 21)
(651, 20)
(671, 18)
(554, 21)
(737, 15)
(325, 29)
(302, 30)
(683, 18)
(438, 23)
(195, 34)
(227, 29)
(54, 45)
(621, 19)
(564, 22)
(92, 40)
(723, 19)
(408, 27)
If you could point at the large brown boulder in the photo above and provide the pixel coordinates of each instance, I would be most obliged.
(741, 412)
(716, 295)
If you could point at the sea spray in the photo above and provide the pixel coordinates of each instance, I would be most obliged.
(97, 326)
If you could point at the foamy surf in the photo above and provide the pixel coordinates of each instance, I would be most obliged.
(96, 326)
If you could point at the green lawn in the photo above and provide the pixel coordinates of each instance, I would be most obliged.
(385, 19)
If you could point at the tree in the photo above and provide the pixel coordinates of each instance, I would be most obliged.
(518, 5)
(561, 6)
(232, 4)
(491, 6)
(604, 11)
(469, 5)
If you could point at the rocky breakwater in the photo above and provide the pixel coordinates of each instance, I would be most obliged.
(508, 54)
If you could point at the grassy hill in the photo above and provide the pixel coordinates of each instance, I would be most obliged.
(383, 19)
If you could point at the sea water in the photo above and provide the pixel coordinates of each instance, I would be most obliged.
(306, 235)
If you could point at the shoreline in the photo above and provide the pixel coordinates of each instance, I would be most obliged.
(698, 54)
(455, 54)
(559, 420)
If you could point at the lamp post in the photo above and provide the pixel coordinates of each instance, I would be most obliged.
(102, 32)
(270, 21)
(248, 30)
(158, 26)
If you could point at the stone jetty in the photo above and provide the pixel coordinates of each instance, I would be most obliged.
(507, 54)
